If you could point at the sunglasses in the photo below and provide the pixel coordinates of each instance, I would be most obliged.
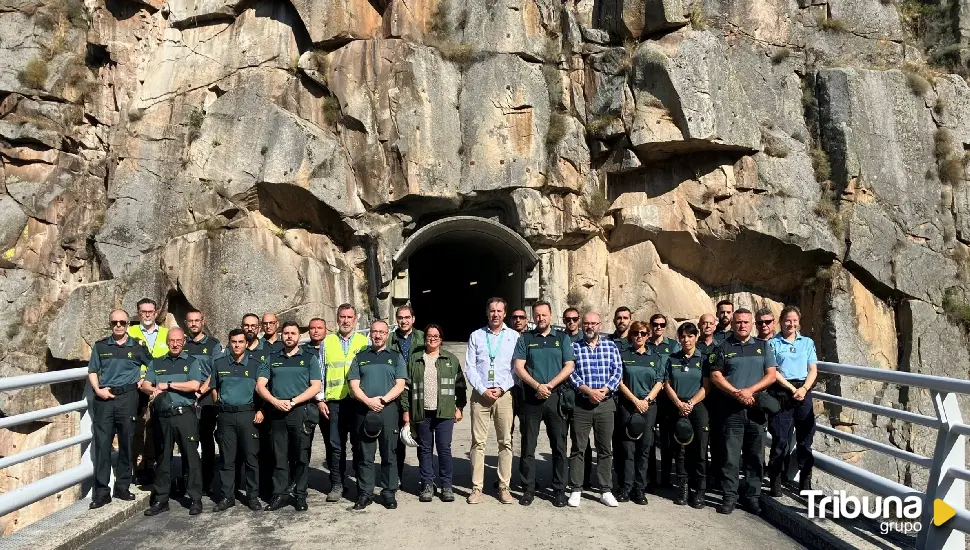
(119, 323)
(765, 322)
(659, 325)
(641, 333)
(518, 317)
(571, 319)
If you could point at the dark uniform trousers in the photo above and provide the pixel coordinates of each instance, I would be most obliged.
(178, 424)
(743, 444)
(386, 443)
(797, 416)
(533, 411)
(207, 428)
(292, 434)
(237, 433)
(663, 441)
(632, 467)
(691, 459)
(112, 417)
(335, 431)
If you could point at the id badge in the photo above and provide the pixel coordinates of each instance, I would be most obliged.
(491, 375)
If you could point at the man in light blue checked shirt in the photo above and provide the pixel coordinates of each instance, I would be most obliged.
(596, 377)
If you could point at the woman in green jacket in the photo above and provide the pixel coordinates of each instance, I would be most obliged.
(432, 402)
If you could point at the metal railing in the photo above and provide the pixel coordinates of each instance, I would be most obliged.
(54, 483)
(947, 467)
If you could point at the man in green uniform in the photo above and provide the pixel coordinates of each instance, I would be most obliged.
(570, 323)
(233, 386)
(258, 351)
(543, 359)
(171, 382)
(740, 367)
(114, 372)
(725, 310)
(377, 378)
(271, 335)
(706, 324)
(405, 339)
(664, 347)
(294, 379)
(205, 348)
(622, 318)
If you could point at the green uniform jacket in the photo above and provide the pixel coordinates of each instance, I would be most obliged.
(417, 342)
(451, 387)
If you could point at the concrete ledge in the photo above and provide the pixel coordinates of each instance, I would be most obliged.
(790, 515)
(75, 526)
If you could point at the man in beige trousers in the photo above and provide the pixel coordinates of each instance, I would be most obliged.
(488, 370)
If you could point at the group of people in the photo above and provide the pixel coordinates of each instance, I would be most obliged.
(707, 397)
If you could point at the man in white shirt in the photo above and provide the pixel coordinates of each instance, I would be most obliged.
(488, 371)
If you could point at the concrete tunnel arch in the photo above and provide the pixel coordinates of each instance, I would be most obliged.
(449, 268)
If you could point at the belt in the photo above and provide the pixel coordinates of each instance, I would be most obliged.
(236, 408)
(118, 390)
(175, 411)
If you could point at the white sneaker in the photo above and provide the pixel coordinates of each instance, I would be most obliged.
(609, 500)
(574, 498)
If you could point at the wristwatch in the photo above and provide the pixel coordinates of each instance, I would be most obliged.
(292, 402)
(381, 399)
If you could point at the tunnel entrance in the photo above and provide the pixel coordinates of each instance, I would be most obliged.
(449, 269)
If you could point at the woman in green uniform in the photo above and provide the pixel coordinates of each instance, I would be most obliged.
(643, 377)
(687, 384)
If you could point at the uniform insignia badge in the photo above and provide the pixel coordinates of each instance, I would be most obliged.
(651, 363)
(301, 362)
(712, 357)
(185, 369)
(205, 350)
(389, 362)
(758, 351)
(245, 373)
(129, 355)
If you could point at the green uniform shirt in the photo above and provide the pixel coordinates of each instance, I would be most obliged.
(118, 365)
(578, 336)
(235, 382)
(274, 347)
(622, 342)
(205, 350)
(378, 371)
(179, 368)
(544, 355)
(743, 364)
(685, 374)
(289, 376)
(705, 349)
(664, 349)
(260, 353)
(642, 371)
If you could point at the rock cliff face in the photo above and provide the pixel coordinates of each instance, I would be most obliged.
(659, 154)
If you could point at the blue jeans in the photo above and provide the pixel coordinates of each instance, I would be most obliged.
(433, 432)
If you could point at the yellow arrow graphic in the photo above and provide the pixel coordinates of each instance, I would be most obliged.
(942, 512)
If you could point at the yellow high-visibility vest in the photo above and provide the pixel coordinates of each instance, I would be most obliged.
(161, 340)
(337, 364)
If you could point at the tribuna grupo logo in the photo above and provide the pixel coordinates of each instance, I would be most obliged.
(899, 514)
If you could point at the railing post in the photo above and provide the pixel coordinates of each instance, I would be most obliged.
(950, 452)
(85, 428)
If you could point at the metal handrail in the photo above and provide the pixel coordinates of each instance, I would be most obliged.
(947, 466)
(55, 483)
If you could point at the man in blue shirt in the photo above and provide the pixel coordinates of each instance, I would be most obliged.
(596, 377)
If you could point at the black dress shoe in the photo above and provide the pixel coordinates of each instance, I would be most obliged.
(753, 505)
(390, 502)
(805, 481)
(157, 508)
(697, 500)
(99, 502)
(362, 502)
(124, 494)
(622, 497)
(300, 505)
(254, 504)
(725, 507)
(279, 501)
(526, 499)
(195, 508)
(639, 498)
(560, 499)
(224, 505)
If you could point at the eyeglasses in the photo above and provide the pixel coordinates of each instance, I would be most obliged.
(270, 322)
(591, 324)
(570, 319)
(432, 337)
(518, 317)
(378, 332)
(119, 323)
(641, 333)
(765, 322)
(251, 326)
(659, 325)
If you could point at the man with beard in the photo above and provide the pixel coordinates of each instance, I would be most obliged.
(725, 310)
(622, 318)
(205, 348)
(405, 339)
(258, 352)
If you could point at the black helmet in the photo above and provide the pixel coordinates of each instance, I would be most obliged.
(635, 426)
(373, 425)
(683, 431)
